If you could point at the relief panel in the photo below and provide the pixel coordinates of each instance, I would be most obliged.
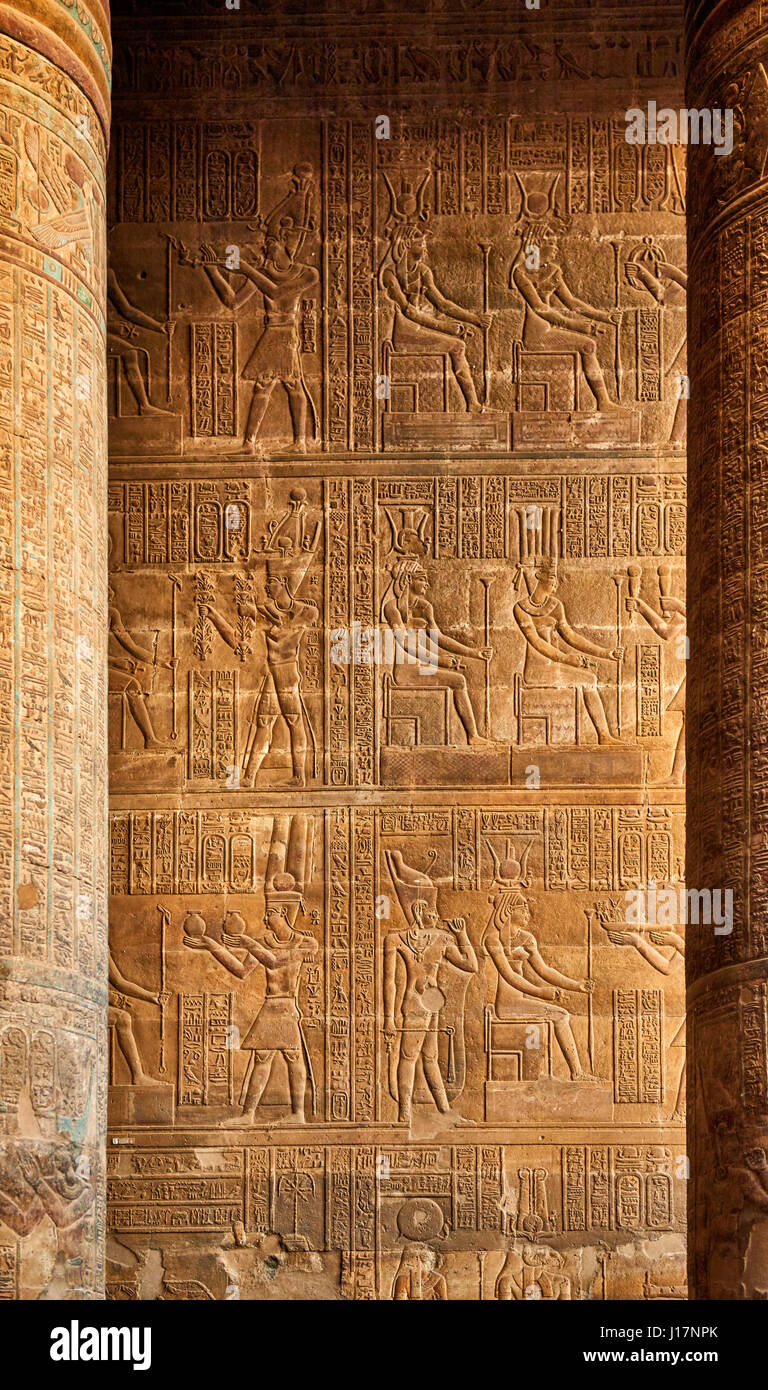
(397, 660)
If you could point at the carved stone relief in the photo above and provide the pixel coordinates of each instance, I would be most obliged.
(53, 774)
(396, 672)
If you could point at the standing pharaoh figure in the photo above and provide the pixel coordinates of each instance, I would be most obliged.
(276, 1032)
(556, 320)
(416, 988)
(285, 619)
(283, 281)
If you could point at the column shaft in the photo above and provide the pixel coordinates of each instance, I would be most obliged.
(54, 85)
(727, 797)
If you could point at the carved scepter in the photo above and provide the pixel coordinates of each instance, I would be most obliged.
(164, 995)
(616, 339)
(485, 247)
(486, 583)
(170, 326)
(589, 914)
(618, 581)
(665, 579)
(602, 1261)
(175, 585)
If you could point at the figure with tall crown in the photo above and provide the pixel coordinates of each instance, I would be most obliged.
(284, 949)
(427, 968)
(285, 618)
(283, 281)
(555, 653)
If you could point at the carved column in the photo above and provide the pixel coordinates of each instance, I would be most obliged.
(54, 103)
(727, 802)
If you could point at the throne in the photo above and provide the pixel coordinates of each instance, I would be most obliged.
(509, 1057)
(416, 717)
(418, 381)
(554, 411)
(546, 381)
(552, 709)
(417, 408)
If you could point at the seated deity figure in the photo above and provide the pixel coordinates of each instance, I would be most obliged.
(527, 987)
(557, 655)
(424, 319)
(425, 657)
(556, 320)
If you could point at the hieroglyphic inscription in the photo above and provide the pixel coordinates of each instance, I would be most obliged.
(205, 1053)
(638, 1024)
(398, 528)
(53, 774)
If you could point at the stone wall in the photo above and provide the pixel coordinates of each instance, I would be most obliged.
(397, 346)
